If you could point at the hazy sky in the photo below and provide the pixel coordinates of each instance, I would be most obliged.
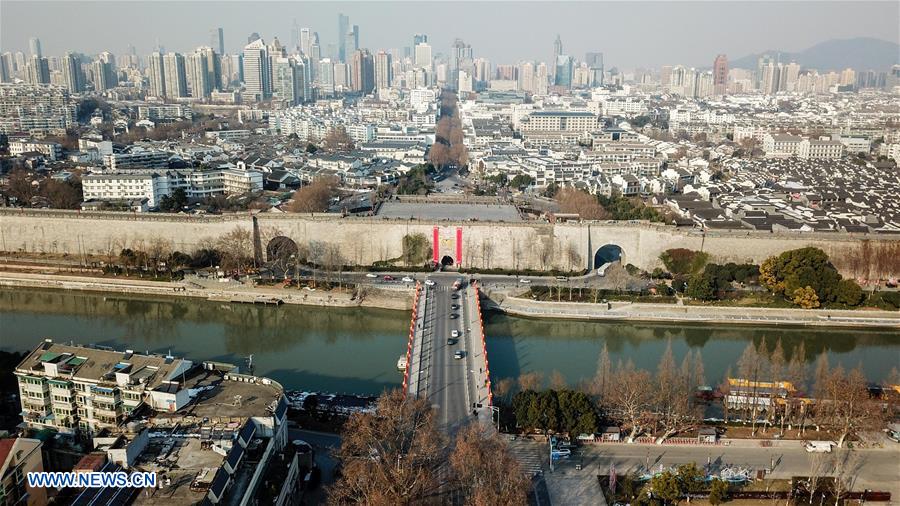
(630, 34)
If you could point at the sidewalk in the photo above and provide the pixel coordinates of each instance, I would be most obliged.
(695, 314)
(481, 371)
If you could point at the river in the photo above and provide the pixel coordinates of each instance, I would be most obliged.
(355, 350)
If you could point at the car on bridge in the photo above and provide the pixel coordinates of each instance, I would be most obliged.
(454, 306)
(429, 282)
(459, 355)
(407, 279)
(454, 316)
(371, 275)
(454, 333)
(388, 278)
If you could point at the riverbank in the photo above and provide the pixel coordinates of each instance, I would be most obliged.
(399, 298)
(650, 312)
(395, 298)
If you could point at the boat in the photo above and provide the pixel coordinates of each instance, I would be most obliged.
(401, 363)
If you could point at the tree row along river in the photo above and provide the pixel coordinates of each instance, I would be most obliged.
(356, 350)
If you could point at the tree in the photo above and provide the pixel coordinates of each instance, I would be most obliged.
(390, 456)
(531, 381)
(848, 292)
(314, 197)
(682, 261)
(236, 249)
(485, 469)
(174, 202)
(521, 181)
(718, 492)
(416, 249)
(585, 205)
(673, 397)
(20, 187)
(62, 194)
(701, 287)
(338, 140)
(631, 394)
(666, 486)
(801, 269)
(806, 298)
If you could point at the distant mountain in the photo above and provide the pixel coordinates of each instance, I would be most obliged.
(862, 53)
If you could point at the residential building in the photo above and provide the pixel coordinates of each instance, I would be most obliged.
(18, 457)
(720, 74)
(157, 75)
(383, 70)
(51, 150)
(175, 75)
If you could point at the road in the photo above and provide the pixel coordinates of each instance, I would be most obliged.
(873, 469)
(447, 380)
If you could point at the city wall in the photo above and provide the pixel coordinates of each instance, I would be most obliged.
(363, 241)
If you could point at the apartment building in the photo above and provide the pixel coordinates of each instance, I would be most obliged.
(51, 150)
(137, 158)
(18, 457)
(153, 185)
(65, 387)
(560, 121)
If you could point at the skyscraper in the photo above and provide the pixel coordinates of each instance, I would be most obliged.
(564, 68)
(295, 36)
(103, 75)
(423, 55)
(157, 75)
(198, 76)
(305, 41)
(326, 77)
(175, 75)
(288, 80)
(557, 51)
(343, 28)
(526, 77)
(34, 45)
(362, 71)
(351, 44)
(594, 61)
(217, 40)
(384, 71)
(37, 70)
(419, 38)
(213, 67)
(720, 74)
(71, 71)
(256, 70)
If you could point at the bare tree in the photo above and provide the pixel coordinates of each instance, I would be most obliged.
(631, 394)
(558, 381)
(674, 407)
(485, 469)
(314, 197)
(391, 456)
(531, 381)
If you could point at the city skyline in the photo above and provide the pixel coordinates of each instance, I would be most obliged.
(384, 26)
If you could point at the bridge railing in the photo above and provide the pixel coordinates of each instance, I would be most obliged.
(412, 336)
(487, 368)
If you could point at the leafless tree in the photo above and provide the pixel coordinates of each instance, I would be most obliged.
(391, 456)
(631, 395)
(485, 469)
(531, 381)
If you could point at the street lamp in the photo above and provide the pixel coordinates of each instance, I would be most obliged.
(496, 409)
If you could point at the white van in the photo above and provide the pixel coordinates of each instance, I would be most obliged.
(819, 446)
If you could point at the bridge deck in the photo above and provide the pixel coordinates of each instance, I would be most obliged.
(458, 388)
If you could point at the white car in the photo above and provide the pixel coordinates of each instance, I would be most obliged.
(523, 280)
(371, 275)
(429, 282)
(407, 279)
(454, 333)
(562, 452)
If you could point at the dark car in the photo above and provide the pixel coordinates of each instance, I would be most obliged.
(454, 316)
(454, 306)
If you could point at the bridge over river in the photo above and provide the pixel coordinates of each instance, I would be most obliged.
(447, 359)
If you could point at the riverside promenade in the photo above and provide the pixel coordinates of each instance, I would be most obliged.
(629, 311)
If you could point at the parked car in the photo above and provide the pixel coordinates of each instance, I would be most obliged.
(819, 446)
